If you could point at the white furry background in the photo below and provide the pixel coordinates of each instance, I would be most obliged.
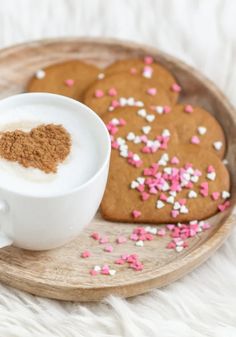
(202, 33)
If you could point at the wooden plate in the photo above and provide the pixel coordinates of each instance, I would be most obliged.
(61, 273)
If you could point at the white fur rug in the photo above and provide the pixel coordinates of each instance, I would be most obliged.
(203, 34)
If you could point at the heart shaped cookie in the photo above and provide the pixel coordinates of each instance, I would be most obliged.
(69, 78)
(148, 69)
(179, 186)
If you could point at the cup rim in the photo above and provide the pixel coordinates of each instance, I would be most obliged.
(99, 121)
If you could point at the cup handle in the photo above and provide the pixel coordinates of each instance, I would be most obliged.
(4, 239)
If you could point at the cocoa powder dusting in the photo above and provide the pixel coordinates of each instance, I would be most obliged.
(44, 147)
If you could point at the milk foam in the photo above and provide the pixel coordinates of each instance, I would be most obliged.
(81, 164)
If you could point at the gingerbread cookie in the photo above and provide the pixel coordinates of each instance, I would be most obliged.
(124, 90)
(148, 69)
(182, 185)
(194, 125)
(70, 79)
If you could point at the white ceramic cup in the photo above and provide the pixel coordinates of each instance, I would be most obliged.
(45, 222)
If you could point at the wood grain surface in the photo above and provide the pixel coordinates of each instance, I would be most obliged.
(62, 273)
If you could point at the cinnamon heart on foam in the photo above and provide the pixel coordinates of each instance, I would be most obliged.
(170, 185)
(43, 147)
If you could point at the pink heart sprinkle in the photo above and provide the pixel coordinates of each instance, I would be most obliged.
(161, 232)
(174, 160)
(134, 237)
(108, 249)
(174, 213)
(148, 59)
(120, 261)
(210, 169)
(204, 193)
(163, 197)
(99, 93)
(175, 87)
(167, 109)
(170, 227)
(195, 140)
(121, 239)
(204, 185)
(171, 245)
(133, 71)
(145, 196)
(93, 272)
(69, 83)
(215, 195)
(104, 240)
(95, 236)
(148, 69)
(115, 103)
(112, 92)
(182, 202)
(188, 108)
(136, 214)
(152, 91)
(85, 254)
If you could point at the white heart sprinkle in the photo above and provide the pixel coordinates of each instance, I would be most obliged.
(115, 121)
(192, 194)
(153, 230)
(136, 157)
(168, 170)
(40, 74)
(225, 194)
(190, 170)
(217, 145)
(97, 268)
(137, 140)
(124, 154)
(159, 109)
(183, 209)
(123, 101)
(123, 147)
(160, 204)
(211, 176)
(176, 205)
(193, 222)
(165, 133)
(140, 104)
(186, 176)
(162, 162)
(112, 272)
(202, 130)
(141, 180)
(120, 141)
(150, 118)
(130, 101)
(101, 76)
(194, 179)
(142, 112)
(146, 129)
(179, 249)
(170, 199)
(165, 186)
(139, 243)
(225, 162)
(173, 193)
(180, 243)
(134, 184)
(130, 136)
